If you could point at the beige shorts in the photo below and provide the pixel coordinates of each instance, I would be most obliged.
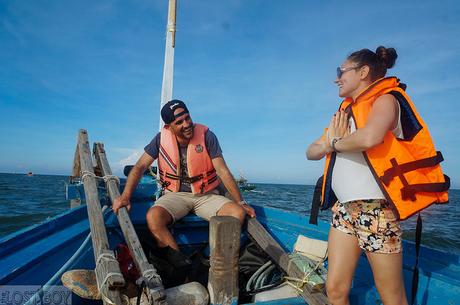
(181, 203)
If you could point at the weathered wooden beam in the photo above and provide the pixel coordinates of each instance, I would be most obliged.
(281, 258)
(76, 168)
(108, 273)
(148, 271)
(224, 242)
(76, 172)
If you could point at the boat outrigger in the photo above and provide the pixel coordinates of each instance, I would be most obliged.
(76, 249)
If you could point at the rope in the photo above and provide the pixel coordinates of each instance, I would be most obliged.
(106, 178)
(107, 257)
(56, 277)
(305, 280)
(35, 298)
(87, 173)
(106, 298)
(152, 274)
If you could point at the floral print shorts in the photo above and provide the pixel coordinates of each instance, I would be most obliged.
(373, 222)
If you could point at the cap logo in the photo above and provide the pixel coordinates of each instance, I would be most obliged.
(199, 148)
(173, 105)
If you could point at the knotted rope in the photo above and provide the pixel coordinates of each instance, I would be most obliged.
(107, 257)
(106, 178)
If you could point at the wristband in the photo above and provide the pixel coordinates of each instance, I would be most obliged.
(243, 202)
(333, 142)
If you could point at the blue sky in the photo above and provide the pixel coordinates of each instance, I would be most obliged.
(258, 73)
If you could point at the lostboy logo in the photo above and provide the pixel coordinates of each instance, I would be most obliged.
(199, 148)
(35, 294)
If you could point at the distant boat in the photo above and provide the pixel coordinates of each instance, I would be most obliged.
(244, 185)
(30, 174)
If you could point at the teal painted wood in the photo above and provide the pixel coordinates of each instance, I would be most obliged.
(33, 255)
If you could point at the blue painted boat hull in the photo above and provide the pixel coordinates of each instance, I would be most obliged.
(33, 256)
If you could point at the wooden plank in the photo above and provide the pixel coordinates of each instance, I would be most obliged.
(281, 258)
(105, 264)
(76, 170)
(224, 242)
(148, 271)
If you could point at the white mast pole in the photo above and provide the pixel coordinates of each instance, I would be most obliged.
(168, 70)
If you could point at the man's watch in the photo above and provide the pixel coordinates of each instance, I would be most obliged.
(243, 202)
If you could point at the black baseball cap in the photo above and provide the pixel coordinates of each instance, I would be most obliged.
(167, 112)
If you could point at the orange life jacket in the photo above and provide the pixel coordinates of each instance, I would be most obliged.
(202, 174)
(406, 170)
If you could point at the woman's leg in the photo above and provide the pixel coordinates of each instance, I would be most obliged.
(343, 257)
(387, 270)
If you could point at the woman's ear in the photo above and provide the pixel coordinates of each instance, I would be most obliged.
(364, 72)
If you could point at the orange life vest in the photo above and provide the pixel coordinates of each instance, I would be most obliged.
(406, 170)
(202, 174)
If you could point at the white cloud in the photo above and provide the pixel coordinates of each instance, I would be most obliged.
(132, 156)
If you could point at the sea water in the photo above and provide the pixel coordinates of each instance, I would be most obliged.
(27, 200)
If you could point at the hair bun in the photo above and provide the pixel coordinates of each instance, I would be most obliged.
(387, 56)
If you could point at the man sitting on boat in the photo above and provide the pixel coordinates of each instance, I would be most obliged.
(191, 167)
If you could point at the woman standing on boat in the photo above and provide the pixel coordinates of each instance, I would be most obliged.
(369, 140)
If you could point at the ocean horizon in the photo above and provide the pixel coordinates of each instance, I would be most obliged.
(29, 200)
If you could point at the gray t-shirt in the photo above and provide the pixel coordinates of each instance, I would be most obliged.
(212, 145)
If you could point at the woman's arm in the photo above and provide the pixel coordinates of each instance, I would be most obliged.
(318, 149)
(382, 118)
(338, 128)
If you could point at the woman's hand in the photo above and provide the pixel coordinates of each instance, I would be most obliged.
(318, 149)
(338, 127)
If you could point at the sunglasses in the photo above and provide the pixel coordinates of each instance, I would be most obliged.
(341, 71)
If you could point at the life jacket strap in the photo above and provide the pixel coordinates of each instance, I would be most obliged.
(164, 184)
(329, 195)
(415, 275)
(410, 190)
(205, 177)
(400, 169)
(208, 177)
(169, 175)
(316, 202)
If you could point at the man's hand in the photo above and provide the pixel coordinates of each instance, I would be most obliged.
(247, 208)
(250, 211)
(121, 202)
